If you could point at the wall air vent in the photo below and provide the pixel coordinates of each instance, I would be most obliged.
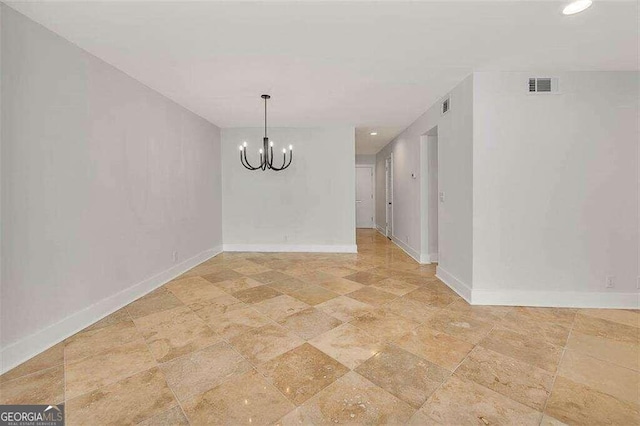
(445, 105)
(543, 85)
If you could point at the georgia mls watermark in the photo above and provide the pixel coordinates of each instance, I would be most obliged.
(32, 415)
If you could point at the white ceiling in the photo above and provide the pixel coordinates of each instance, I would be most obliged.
(371, 65)
(367, 144)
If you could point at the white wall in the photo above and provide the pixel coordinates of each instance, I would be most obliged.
(365, 160)
(102, 180)
(455, 137)
(380, 184)
(432, 195)
(406, 192)
(556, 189)
(307, 207)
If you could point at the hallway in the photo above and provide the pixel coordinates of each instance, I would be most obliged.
(368, 338)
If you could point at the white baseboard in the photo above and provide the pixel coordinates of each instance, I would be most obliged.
(548, 299)
(381, 230)
(427, 259)
(556, 299)
(291, 248)
(30, 346)
(454, 283)
(407, 249)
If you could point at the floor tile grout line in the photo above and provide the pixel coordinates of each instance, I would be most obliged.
(174, 396)
(64, 377)
(157, 365)
(161, 372)
(522, 361)
(138, 337)
(64, 358)
(109, 383)
(228, 343)
(606, 361)
(557, 372)
(453, 372)
(255, 368)
(24, 376)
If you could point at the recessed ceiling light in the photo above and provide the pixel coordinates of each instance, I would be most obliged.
(373, 133)
(576, 7)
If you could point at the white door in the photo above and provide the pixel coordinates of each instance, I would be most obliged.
(389, 195)
(364, 197)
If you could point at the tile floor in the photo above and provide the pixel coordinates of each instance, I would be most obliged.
(372, 338)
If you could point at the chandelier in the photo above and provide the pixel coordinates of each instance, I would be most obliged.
(266, 152)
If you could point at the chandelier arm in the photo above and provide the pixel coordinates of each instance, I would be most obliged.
(242, 161)
(284, 163)
(245, 165)
(290, 159)
(249, 166)
(271, 159)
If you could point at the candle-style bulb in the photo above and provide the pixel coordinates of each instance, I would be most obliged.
(290, 147)
(271, 143)
(244, 144)
(284, 151)
(240, 147)
(260, 151)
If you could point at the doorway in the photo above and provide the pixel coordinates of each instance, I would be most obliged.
(364, 197)
(388, 167)
(433, 195)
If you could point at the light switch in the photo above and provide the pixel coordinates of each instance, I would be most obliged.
(442, 197)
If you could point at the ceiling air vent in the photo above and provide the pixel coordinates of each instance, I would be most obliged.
(445, 105)
(543, 85)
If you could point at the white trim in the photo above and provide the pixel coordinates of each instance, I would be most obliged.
(30, 346)
(388, 187)
(454, 283)
(407, 249)
(373, 193)
(427, 259)
(557, 299)
(291, 248)
(380, 229)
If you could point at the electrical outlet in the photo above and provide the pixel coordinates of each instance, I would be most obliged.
(611, 281)
(442, 197)
(406, 239)
(175, 256)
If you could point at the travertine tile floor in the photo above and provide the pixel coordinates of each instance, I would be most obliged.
(372, 338)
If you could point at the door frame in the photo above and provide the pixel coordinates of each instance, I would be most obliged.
(427, 195)
(373, 191)
(388, 190)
